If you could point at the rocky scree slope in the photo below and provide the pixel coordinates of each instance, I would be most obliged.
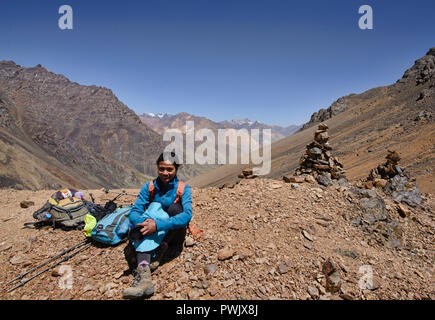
(264, 239)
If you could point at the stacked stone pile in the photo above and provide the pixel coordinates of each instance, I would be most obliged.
(247, 174)
(318, 162)
(395, 180)
(380, 175)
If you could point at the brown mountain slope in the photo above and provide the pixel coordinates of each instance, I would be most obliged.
(54, 132)
(399, 117)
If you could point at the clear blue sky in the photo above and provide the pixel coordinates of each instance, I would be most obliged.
(273, 61)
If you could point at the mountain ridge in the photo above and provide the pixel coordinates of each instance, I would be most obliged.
(160, 122)
(420, 72)
(79, 135)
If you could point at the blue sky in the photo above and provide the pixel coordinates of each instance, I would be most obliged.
(272, 61)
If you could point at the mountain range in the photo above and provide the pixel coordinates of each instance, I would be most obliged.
(160, 122)
(56, 133)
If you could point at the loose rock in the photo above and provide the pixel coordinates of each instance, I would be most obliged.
(225, 253)
(307, 235)
(209, 269)
(313, 292)
(26, 204)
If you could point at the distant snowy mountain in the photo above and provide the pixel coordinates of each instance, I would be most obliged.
(162, 121)
(151, 115)
(278, 132)
(241, 123)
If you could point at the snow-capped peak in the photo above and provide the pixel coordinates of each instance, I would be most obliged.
(155, 115)
(243, 122)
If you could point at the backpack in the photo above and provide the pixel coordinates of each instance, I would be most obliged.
(66, 213)
(113, 228)
(98, 211)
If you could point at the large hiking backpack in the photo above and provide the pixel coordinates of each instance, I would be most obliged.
(113, 228)
(66, 213)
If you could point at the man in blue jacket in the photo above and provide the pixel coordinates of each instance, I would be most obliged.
(175, 199)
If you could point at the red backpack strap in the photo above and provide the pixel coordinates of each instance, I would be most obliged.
(180, 191)
(196, 233)
(151, 190)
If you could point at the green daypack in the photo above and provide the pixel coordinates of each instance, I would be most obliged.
(67, 213)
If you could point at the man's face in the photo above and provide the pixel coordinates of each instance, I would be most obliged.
(166, 171)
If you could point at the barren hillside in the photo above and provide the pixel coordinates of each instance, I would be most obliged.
(55, 132)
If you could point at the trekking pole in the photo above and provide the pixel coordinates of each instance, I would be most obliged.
(48, 261)
(24, 281)
(128, 194)
(92, 198)
(120, 193)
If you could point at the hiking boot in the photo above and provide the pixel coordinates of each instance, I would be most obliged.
(142, 284)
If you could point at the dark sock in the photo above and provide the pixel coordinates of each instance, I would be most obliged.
(143, 258)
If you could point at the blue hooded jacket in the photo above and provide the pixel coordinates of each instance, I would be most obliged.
(166, 198)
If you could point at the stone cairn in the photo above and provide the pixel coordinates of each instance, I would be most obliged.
(395, 181)
(318, 163)
(247, 174)
(380, 175)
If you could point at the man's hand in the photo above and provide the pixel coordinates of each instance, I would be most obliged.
(149, 227)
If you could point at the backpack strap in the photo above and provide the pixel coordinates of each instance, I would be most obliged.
(152, 190)
(180, 191)
(196, 233)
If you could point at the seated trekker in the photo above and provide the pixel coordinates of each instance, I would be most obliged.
(169, 199)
